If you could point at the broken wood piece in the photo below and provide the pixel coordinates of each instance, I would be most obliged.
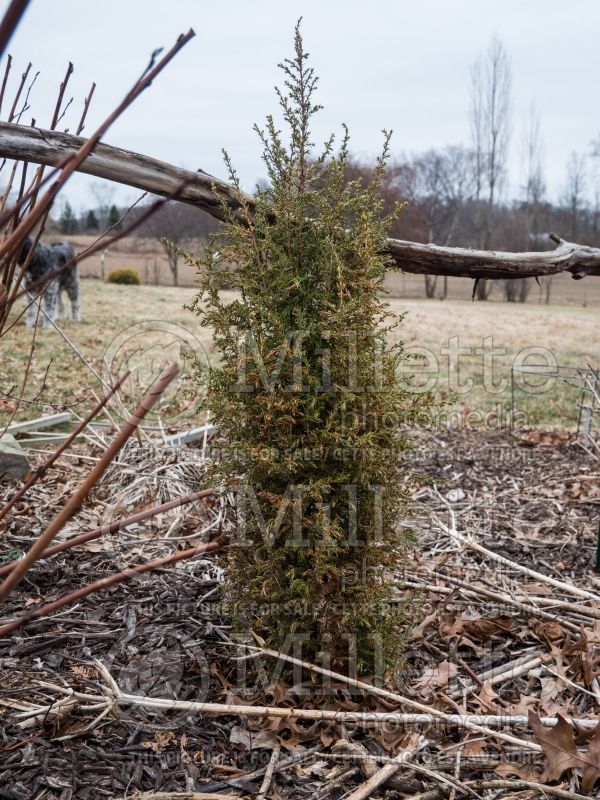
(193, 435)
(415, 743)
(368, 765)
(264, 788)
(41, 423)
(14, 464)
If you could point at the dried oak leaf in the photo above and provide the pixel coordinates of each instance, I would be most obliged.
(527, 771)
(484, 628)
(435, 677)
(523, 706)
(558, 745)
(591, 771)
(549, 631)
(487, 697)
(561, 753)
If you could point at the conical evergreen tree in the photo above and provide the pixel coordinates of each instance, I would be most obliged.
(114, 217)
(67, 223)
(91, 222)
(306, 392)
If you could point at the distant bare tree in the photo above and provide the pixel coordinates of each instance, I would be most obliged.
(595, 190)
(573, 195)
(533, 156)
(443, 185)
(490, 134)
(534, 188)
(103, 193)
(178, 223)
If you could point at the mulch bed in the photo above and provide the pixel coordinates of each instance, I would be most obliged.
(533, 499)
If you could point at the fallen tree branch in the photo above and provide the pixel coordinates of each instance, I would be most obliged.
(428, 714)
(52, 148)
(208, 193)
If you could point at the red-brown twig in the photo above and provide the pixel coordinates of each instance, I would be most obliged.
(71, 162)
(101, 243)
(5, 79)
(149, 400)
(13, 108)
(41, 471)
(117, 525)
(57, 116)
(109, 580)
(86, 106)
(10, 21)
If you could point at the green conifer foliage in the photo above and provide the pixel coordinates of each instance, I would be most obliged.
(67, 223)
(305, 390)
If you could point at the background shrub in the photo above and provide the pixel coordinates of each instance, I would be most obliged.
(126, 276)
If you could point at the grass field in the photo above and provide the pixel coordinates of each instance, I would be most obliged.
(145, 327)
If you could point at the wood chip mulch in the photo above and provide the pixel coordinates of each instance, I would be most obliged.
(490, 639)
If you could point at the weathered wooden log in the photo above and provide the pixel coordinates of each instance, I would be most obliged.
(209, 194)
(460, 262)
(115, 164)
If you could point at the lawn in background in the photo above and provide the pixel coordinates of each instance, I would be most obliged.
(146, 327)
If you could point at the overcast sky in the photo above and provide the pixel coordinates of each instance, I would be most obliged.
(382, 64)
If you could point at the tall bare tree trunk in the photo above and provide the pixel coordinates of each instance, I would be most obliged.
(490, 118)
(430, 284)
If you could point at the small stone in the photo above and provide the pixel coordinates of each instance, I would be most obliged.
(455, 495)
(14, 464)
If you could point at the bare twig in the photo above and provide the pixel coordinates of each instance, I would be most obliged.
(104, 583)
(10, 21)
(150, 399)
(117, 525)
(70, 163)
(86, 106)
(414, 744)
(41, 471)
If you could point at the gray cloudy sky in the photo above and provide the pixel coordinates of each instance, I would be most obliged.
(401, 65)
